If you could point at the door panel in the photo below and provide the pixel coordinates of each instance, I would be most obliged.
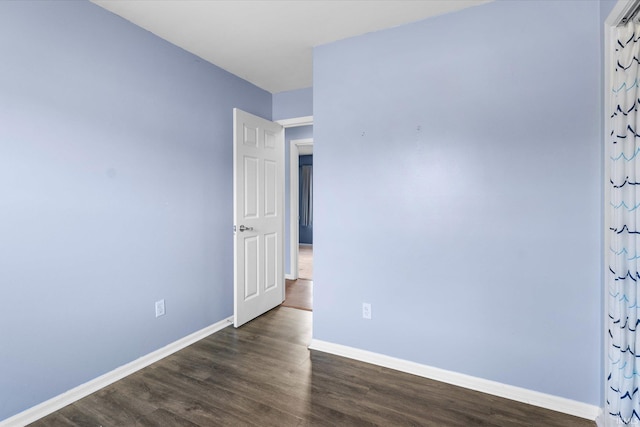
(258, 154)
(251, 195)
(251, 267)
(270, 188)
(271, 261)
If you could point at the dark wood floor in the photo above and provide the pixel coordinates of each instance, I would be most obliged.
(263, 375)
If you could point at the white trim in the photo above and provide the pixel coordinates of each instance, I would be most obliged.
(294, 179)
(296, 122)
(47, 407)
(555, 403)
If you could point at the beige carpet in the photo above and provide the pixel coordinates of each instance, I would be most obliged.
(305, 262)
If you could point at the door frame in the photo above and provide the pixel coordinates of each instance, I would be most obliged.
(295, 122)
(294, 208)
(293, 247)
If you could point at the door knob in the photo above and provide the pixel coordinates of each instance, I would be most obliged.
(243, 228)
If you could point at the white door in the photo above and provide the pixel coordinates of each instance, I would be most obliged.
(258, 203)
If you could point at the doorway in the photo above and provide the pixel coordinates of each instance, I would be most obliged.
(299, 283)
(298, 148)
(305, 212)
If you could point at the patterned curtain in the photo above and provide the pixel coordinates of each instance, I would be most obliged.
(623, 228)
(306, 201)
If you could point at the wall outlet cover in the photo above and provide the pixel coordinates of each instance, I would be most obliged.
(366, 310)
(160, 308)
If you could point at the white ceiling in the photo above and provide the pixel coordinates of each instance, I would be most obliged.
(270, 42)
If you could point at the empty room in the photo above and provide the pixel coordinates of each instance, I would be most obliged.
(472, 206)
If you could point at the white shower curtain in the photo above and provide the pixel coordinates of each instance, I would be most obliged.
(623, 232)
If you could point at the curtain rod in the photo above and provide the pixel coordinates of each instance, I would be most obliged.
(632, 13)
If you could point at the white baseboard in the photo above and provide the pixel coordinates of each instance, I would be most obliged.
(290, 277)
(45, 408)
(543, 400)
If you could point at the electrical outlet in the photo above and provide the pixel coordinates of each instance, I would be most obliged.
(366, 310)
(160, 308)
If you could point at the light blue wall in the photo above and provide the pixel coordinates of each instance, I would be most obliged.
(606, 6)
(115, 191)
(301, 132)
(473, 213)
(293, 103)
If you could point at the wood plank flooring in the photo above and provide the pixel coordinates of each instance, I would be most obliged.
(263, 375)
(305, 262)
(299, 294)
